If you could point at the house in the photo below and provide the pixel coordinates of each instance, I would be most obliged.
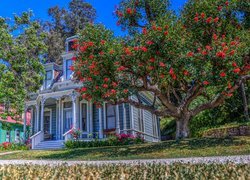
(12, 130)
(57, 108)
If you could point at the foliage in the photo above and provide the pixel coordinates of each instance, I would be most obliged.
(170, 149)
(65, 22)
(127, 171)
(7, 146)
(76, 133)
(186, 64)
(117, 140)
(21, 70)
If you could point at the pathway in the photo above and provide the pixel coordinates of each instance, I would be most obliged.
(194, 160)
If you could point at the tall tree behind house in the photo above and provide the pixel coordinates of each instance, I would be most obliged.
(65, 23)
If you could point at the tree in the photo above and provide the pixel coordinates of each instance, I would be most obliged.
(66, 23)
(21, 48)
(187, 63)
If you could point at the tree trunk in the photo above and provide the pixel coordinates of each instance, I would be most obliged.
(182, 129)
(244, 99)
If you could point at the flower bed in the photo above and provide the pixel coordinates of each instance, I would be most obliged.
(116, 140)
(6, 146)
(128, 171)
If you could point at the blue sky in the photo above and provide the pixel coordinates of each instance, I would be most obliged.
(104, 9)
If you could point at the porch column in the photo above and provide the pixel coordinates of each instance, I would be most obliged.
(59, 121)
(117, 119)
(42, 114)
(37, 118)
(74, 96)
(91, 117)
(124, 118)
(100, 124)
(24, 123)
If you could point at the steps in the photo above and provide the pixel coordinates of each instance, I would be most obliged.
(57, 144)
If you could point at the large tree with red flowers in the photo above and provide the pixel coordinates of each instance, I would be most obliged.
(187, 63)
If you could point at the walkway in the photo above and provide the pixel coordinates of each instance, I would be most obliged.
(195, 160)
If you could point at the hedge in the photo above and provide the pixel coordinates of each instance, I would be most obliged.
(122, 171)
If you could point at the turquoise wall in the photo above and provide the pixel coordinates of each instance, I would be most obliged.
(12, 132)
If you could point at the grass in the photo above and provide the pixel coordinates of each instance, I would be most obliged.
(170, 149)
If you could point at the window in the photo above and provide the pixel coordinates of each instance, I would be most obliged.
(110, 116)
(48, 79)
(155, 124)
(84, 117)
(140, 120)
(17, 136)
(70, 44)
(67, 116)
(7, 136)
(68, 70)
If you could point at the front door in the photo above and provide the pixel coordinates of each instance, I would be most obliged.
(47, 123)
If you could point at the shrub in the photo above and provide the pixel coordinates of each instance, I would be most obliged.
(127, 171)
(116, 140)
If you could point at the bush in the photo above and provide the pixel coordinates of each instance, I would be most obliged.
(127, 171)
(13, 146)
(117, 140)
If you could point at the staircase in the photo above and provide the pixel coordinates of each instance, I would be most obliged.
(57, 144)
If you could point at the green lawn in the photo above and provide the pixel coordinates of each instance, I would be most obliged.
(169, 149)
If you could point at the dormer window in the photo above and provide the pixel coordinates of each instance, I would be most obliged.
(48, 79)
(68, 70)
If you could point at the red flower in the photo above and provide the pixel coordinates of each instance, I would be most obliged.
(221, 54)
(105, 86)
(226, 3)
(72, 68)
(113, 91)
(125, 91)
(215, 37)
(149, 42)
(90, 43)
(162, 64)
(91, 56)
(171, 71)
(106, 79)
(121, 68)
(111, 52)
(173, 76)
(216, 19)
(84, 89)
(119, 13)
(74, 58)
(114, 84)
(236, 70)
(209, 48)
(150, 68)
(152, 59)
(185, 72)
(233, 43)
(190, 54)
(166, 33)
(103, 42)
(234, 64)
(127, 51)
(229, 86)
(204, 53)
(101, 53)
(159, 29)
(209, 20)
(129, 11)
(83, 48)
(205, 83)
(144, 49)
(203, 15)
(222, 74)
(196, 19)
(144, 31)
(219, 8)
(232, 52)
(223, 44)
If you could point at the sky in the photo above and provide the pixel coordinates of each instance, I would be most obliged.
(104, 9)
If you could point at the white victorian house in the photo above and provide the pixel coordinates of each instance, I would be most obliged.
(57, 107)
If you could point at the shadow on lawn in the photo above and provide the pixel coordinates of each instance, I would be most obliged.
(126, 151)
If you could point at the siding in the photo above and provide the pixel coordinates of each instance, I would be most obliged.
(148, 124)
(95, 119)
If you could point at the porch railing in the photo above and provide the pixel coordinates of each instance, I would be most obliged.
(36, 139)
(67, 136)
